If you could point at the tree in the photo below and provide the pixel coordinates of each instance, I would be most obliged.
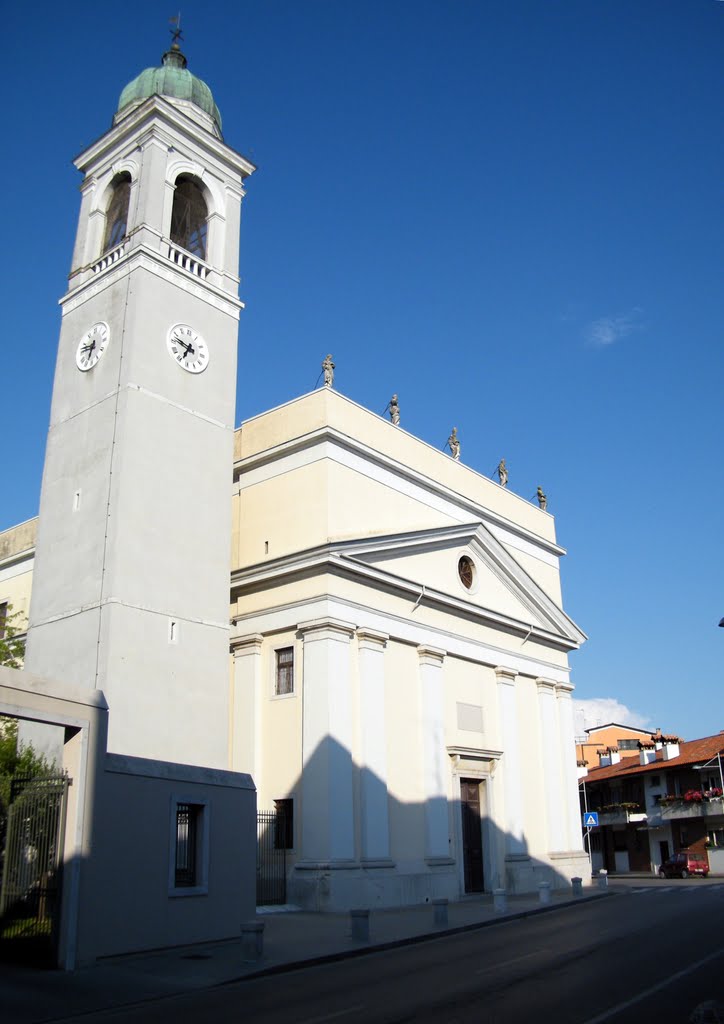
(14, 759)
(12, 639)
(17, 760)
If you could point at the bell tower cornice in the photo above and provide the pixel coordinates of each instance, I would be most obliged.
(147, 259)
(158, 109)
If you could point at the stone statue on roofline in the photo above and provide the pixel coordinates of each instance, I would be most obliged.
(395, 411)
(453, 443)
(542, 499)
(502, 472)
(328, 368)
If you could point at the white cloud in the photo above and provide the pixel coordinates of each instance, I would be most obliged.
(602, 710)
(609, 329)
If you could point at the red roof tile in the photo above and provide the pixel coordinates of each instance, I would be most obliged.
(690, 752)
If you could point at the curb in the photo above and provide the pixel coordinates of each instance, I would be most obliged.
(411, 940)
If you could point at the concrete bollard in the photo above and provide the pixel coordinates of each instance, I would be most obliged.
(439, 913)
(603, 879)
(252, 940)
(544, 892)
(500, 902)
(577, 887)
(360, 920)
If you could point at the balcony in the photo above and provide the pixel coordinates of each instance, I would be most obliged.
(621, 814)
(109, 258)
(187, 261)
(685, 807)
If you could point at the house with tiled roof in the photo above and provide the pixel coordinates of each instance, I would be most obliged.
(664, 800)
(596, 739)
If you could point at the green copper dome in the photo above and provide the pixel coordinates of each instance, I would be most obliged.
(172, 79)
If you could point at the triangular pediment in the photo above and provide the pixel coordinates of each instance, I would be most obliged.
(500, 586)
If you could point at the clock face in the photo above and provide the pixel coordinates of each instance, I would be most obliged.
(92, 346)
(188, 348)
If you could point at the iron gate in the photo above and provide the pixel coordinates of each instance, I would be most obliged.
(271, 858)
(31, 866)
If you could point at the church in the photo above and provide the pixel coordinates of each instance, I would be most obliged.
(318, 600)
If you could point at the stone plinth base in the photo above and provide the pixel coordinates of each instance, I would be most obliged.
(524, 874)
(339, 887)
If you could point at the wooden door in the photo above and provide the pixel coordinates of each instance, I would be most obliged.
(472, 835)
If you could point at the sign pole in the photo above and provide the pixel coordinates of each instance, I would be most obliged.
(588, 830)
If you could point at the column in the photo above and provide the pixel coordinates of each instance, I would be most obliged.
(434, 756)
(327, 792)
(512, 766)
(567, 744)
(374, 824)
(552, 782)
(246, 706)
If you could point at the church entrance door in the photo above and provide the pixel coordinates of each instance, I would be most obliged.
(472, 834)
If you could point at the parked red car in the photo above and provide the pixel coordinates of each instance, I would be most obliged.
(681, 865)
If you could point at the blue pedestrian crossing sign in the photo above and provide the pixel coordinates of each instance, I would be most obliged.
(590, 819)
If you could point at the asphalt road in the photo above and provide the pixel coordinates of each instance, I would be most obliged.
(655, 950)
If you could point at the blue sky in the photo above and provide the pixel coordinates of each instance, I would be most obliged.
(507, 212)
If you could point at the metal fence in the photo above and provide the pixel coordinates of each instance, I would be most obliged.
(271, 858)
(32, 860)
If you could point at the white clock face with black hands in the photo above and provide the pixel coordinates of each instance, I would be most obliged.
(92, 346)
(188, 348)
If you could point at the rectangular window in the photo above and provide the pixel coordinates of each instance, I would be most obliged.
(187, 842)
(284, 825)
(284, 676)
(623, 744)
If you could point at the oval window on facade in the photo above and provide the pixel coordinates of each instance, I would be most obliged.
(189, 218)
(466, 571)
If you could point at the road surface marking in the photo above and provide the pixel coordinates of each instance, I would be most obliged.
(333, 1016)
(515, 960)
(654, 988)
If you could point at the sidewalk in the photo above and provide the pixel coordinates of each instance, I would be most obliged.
(292, 939)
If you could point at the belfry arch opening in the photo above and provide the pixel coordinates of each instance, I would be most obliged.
(189, 217)
(117, 212)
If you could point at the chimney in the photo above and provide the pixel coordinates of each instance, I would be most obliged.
(671, 747)
(647, 753)
(615, 756)
(604, 758)
(658, 738)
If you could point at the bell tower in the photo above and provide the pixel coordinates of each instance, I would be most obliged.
(131, 583)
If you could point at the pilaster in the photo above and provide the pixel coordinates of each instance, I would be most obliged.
(327, 827)
(552, 782)
(515, 845)
(567, 747)
(246, 705)
(374, 814)
(434, 753)
(149, 225)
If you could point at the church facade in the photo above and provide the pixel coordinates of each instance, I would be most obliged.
(392, 669)
(400, 684)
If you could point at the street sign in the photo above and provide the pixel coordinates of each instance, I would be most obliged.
(590, 819)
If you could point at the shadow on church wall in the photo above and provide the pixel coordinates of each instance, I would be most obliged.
(357, 845)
